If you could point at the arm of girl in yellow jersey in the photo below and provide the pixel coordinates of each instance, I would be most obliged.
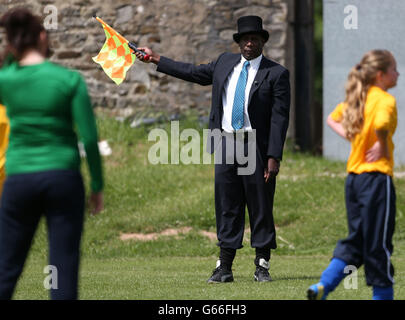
(380, 148)
(336, 126)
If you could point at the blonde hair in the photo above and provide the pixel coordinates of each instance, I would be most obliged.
(360, 78)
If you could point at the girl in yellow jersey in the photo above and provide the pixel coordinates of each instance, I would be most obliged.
(4, 130)
(368, 119)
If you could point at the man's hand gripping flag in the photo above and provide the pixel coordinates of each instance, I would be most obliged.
(116, 56)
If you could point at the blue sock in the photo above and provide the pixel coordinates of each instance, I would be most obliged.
(333, 274)
(383, 293)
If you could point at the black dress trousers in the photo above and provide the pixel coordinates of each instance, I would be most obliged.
(234, 190)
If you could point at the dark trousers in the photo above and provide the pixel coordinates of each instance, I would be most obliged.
(59, 196)
(234, 191)
(370, 204)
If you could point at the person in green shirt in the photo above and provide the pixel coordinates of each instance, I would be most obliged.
(46, 104)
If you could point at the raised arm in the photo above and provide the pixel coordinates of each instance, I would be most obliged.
(201, 74)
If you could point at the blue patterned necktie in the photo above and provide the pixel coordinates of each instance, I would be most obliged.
(239, 99)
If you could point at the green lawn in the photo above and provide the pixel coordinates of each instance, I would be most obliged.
(144, 198)
(184, 278)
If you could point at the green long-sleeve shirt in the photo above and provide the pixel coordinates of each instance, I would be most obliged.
(45, 104)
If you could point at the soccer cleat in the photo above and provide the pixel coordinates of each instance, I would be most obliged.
(220, 274)
(316, 292)
(262, 271)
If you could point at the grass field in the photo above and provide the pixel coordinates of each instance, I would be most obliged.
(148, 200)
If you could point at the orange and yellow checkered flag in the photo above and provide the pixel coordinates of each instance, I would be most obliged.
(115, 57)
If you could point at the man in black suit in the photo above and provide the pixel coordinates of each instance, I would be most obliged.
(250, 93)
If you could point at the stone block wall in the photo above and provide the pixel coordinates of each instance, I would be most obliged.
(194, 31)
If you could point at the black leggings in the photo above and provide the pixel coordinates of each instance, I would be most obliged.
(59, 196)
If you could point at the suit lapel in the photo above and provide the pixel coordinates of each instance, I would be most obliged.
(260, 76)
(226, 69)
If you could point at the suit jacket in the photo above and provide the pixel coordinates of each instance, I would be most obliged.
(269, 98)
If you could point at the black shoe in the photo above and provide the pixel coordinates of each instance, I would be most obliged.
(220, 274)
(262, 271)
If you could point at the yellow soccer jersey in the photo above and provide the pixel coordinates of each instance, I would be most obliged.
(4, 131)
(380, 113)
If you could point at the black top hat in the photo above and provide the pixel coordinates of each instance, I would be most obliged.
(250, 24)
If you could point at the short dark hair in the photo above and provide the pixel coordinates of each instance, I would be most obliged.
(22, 30)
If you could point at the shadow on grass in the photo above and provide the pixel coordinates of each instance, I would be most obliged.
(297, 278)
(307, 278)
(275, 279)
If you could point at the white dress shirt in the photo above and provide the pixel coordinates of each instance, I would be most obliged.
(229, 93)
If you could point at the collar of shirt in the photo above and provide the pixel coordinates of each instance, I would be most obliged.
(254, 63)
(229, 93)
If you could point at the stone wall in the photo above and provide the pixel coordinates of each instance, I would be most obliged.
(194, 31)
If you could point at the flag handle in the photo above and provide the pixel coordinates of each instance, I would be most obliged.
(133, 47)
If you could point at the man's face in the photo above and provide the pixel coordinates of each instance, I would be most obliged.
(251, 45)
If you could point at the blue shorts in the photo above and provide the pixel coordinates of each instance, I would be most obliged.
(370, 204)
